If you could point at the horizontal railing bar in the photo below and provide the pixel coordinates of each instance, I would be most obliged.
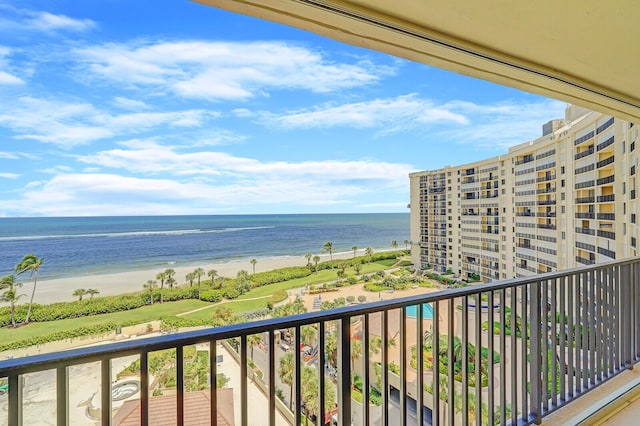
(118, 349)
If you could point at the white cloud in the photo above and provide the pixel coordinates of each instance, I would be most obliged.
(6, 78)
(17, 19)
(501, 125)
(9, 175)
(45, 21)
(129, 104)
(69, 124)
(388, 114)
(216, 70)
(110, 194)
(149, 158)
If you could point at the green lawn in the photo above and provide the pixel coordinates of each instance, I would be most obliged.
(140, 315)
(154, 312)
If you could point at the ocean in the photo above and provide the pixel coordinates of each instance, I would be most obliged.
(77, 246)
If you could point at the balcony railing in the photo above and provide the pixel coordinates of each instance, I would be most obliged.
(544, 341)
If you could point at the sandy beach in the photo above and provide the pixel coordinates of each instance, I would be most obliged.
(60, 290)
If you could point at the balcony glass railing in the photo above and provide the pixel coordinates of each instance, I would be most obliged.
(509, 352)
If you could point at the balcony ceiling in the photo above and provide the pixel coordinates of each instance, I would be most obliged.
(581, 51)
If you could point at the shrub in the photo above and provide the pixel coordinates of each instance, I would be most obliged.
(230, 293)
(211, 295)
(362, 298)
(351, 299)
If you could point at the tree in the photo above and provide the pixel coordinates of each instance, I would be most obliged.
(9, 284)
(162, 277)
(151, 284)
(406, 245)
(286, 371)
(316, 259)
(309, 393)
(243, 283)
(394, 244)
(253, 263)
(308, 257)
(355, 249)
(199, 273)
(92, 292)
(212, 273)
(170, 273)
(190, 277)
(252, 340)
(356, 353)
(369, 252)
(328, 248)
(79, 293)
(357, 267)
(31, 263)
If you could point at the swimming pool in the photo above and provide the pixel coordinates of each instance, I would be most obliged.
(427, 311)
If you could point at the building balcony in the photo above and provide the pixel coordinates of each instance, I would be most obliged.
(586, 231)
(585, 215)
(585, 200)
(606, 198)
(545, 320)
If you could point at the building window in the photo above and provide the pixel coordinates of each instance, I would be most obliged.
(562, 183)
(633, 218)
(563, 235)
(633, 241)
(562, 170)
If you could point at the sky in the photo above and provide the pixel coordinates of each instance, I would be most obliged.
(119, 107)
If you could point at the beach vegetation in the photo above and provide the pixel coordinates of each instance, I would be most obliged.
(316, 259)
(308, 257)
(355, 249)
(92, 292)
(328, 248)
(394, 244)
(253, 264)
(161, 276)
(79, 293)
(170, 274)
(369, 253)
(212, 274)
(199, 273)
(10, 286)
(406, 245)
(30, 263)
(150, 285)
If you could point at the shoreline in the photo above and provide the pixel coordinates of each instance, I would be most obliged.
(61, 289)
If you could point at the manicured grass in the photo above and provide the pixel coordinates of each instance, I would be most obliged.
(140, 315)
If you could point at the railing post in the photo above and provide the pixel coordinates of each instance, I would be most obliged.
(15, 400)
(536, 357)
(344, 382)
(62, 395)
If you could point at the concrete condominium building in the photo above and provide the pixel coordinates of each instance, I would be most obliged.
(566, 199)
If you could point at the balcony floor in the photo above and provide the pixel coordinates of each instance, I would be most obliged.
(614, 403)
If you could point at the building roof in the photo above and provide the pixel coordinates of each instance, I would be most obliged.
(163, 410)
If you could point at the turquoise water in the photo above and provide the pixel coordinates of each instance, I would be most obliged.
(427, 311)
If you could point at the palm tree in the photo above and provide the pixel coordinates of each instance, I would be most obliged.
(150, 285)
(170, 274)
(79, 293)
(212, 274)
(316, 259)
(369, 252)
(286, 371)
(190, 277)
(394, 244)
(161, 277)
(252, 340)
(308, 257)
(406, 245)
(199, 273)
(328, 248)
(356, 353)
(253, 263)
(355, 249)
(10, 295)
(92, 292)
(32, 263)
(309, 393)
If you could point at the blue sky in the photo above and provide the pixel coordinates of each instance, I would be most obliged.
(122, 107)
